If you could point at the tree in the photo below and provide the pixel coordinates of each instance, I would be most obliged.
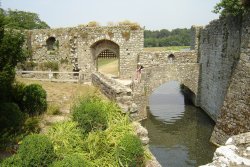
(176, 37)
(11, 52)
(23, 20)
(231, 7)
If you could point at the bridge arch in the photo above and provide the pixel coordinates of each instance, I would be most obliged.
(185, 90)
(185, 74)
(105, 49)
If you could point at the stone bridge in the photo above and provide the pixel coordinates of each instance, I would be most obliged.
(160, 68)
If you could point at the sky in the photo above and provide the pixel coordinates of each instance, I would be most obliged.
(151, 14)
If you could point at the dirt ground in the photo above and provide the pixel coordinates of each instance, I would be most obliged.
(62, 95)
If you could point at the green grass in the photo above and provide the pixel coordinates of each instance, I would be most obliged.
(102, 61)
(168, 48)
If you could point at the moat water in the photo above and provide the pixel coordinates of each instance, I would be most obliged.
(179, 132)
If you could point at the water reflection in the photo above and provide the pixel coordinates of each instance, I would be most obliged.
(179, 133)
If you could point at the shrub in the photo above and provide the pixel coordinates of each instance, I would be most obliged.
(90, 114)
(17, 93)
(97, 144)
(27, 65)
(34, 99)
(49, 65)
(14, 161)
(132, 25)
(53, 109)
(130, 151)
(36, 150)
(72, 161)
(10, 116)
(64, 61)
(93, 24)
(31, 124)
(66, 138)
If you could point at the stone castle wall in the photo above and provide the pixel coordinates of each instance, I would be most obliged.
(219, 51)
(223, 52)
(80, 45)
(235, 112)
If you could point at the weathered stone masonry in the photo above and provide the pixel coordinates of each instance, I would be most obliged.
(81, 46)
(224, 51)
(162, 67)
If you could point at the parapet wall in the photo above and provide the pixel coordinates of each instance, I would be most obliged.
(161, 59)
(117, 92)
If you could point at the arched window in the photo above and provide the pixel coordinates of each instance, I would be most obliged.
(51, 43)
(171, 58)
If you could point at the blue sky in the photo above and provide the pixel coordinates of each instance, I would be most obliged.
(153, 14)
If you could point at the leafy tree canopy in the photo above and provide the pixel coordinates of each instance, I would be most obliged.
(231, 7)
(23, 20)
(164, 37)
(11, 52)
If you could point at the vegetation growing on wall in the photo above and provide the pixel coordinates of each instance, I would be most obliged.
(132, 25)
(126, 35)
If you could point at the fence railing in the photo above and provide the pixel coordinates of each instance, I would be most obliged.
(56, 76)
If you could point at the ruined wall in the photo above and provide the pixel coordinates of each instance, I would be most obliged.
(235, 112)
(219, 52)
(75, 45)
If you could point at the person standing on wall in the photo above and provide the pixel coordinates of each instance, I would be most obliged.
(138, 71)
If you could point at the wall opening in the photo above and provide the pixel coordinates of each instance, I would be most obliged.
(106, 57)
(51, 43)
(171, 58)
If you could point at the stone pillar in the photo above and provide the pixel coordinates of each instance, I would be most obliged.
(195, 37)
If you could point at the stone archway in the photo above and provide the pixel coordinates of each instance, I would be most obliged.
(105, 50)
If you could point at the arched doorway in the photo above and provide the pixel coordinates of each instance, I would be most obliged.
(106, 55)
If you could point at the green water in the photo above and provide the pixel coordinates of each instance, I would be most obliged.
(179, 132)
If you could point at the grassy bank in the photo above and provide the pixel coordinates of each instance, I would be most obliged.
(168, 48)
(108, 66)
